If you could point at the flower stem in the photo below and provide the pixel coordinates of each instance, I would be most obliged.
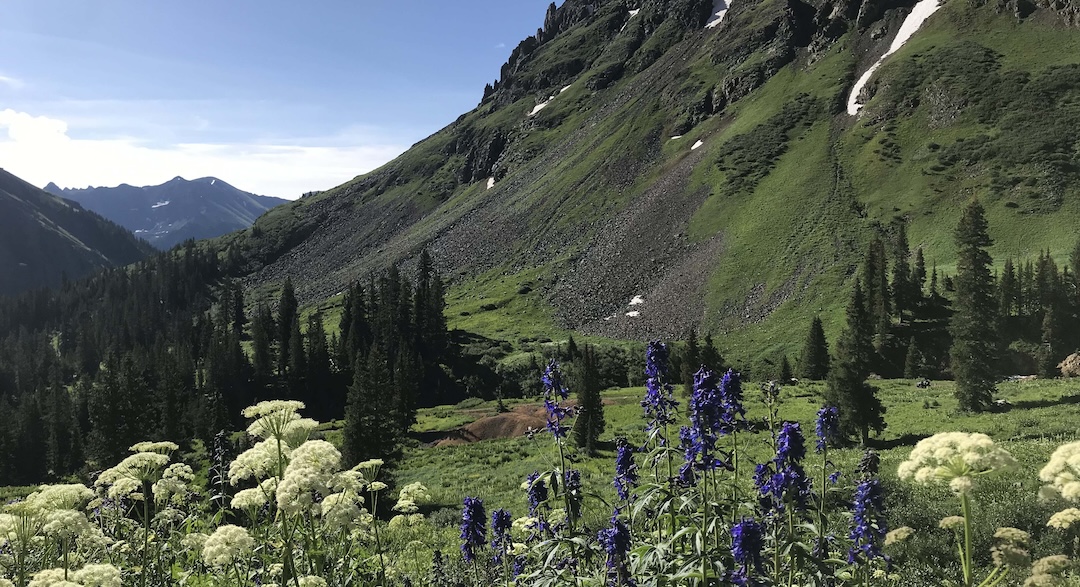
(965, 505)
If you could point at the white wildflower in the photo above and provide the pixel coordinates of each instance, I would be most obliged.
(351, 481)
(103, 575)
(5, 583)
(48, 578)
(272, 418)
(415, 492)
(899, 535)
(173, 485)
(249, 499)
(340, 511)
(951, 523)
(66, 524)
(312, 581)
(316, 454)
(194, 541)
(258, 462)
(376, 486)
(227, 544)
(1062, 473)
(61, 497)
(164, 448)
(299, 431)
(949, 456)
(1064, 519)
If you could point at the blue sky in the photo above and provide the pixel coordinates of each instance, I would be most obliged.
(274, 97)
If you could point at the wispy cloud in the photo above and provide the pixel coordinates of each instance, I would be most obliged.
(39, 149)
(11, 82)
(500, 46)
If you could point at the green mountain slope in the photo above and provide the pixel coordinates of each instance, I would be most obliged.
(44, 238)
(711, 175)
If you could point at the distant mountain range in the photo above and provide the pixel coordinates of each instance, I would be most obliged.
(168, 214)
(44, 238)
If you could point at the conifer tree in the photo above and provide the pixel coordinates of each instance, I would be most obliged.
(902, 279)
(1050, 354)
(847, 389)
(589, 420)
(974, 351)
(262, 328)
(371, 427)
(919, 274)
(814, 360)
(1007, 287)
(785, 369)
(913, 361)
(691, 363)
(876, 290)
(710, 356)
(286, 322)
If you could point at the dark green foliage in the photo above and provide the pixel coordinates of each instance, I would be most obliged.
(860, 409)
(287, 324)
(918, 275)
(372, 413)
(589, 414)
(710, 356)
(814, 360)
(876, 288)
(974, 351)
(903, 281)
(262, 331)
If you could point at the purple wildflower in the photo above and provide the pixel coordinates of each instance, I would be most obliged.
(734, 415)
(747, 540)
(868, 523)
(659, 402)
(783, 480)
(707, 417)
(473, 528)
(626, 476)
(554, 393)
(500, 533)
(790, 446)
(834, 477)
(519, 566)
(616, 543)
(827, 427)
(537, 492)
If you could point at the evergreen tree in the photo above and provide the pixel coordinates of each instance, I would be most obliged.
(589, 420)
(286, 323)
(371, 427)
(919, 274)
(1050, 355)
(902, 279)
(1007, 289)
(913, 361)
(691, 363)
(262, 354)
(785, 369)
(814, 361)
(710, 356)
(847, 389)
(974, 351)
(933, 282)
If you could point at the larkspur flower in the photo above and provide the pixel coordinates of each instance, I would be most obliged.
(501, 523)
(868, 526)
(747, 540)
(827, 427)
(554, 394)
(473, 527)
(227, 545)
(615, 540)
(790, 445)
(659, 402)
(537, 492)
(783, 480)
(626, 476)
(706, 419)
(731, 398)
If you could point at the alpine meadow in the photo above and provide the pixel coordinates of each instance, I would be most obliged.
(761, 293)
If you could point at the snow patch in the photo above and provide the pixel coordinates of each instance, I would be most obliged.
(676, 137)
(491, 183)
(565, 88)
(160, 204)
(539, 107)
(213, 181)
(696, 145)
(637, 300)
(922, 11)
(633, 13)
(633, 314)
(719, 10)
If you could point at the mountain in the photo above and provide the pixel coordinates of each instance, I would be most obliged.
(44, 238)
(636, 172)
(177, 210)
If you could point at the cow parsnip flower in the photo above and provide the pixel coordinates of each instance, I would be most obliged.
(258, 462)
(194, 541)
(312, 581)
(955, 458)
(50, 578)
(226, 545)
(165, 448)
(899, 535)
(1062, 473)
(315, 454)
(66, 524)
(951, 523)
(98, 575)
(73, 496)
(1064, 519)
(340, 511)
(272, 418)
(173, 485)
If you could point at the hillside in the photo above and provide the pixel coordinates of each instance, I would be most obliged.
(168, 214)
(713, 171)
(45, 238)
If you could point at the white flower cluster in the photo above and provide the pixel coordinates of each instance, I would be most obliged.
(227, 544)
(173, 485)
(163, 448)
(61, 497)
(51, 578)
(255, 497)
(259, 461)
(126, 479)
(954, 458)
(312, 581)
(1065, 519)
(273, 418)
(410, 498)
(310, 472)
(66, 524)
(1062, 473)
(101, 575)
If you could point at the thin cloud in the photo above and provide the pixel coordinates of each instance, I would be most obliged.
(11, 82)
(39, 149)
(500, 46)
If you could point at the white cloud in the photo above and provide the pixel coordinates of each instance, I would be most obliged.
(39, 150)
(13, 83)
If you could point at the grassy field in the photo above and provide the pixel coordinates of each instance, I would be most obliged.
(1039, 416)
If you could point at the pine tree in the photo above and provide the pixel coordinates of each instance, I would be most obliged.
(902, 279)
(1007, 287)
(371, 427)
(876, 290)
(262, 354)
(589, 420)
(287, 321)
(785, 369)
(913, 361)
(814, 361)
(710, 356)
(1050, 354)
(919, 274)
(933, 282)
(974, 351)
(847, 389)
(691, 363)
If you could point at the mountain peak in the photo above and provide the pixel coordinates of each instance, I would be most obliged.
(53, 189)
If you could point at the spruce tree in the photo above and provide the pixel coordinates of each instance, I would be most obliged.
(691, 363)
(1049, 354)
(785, 369)
(919, 274)
(262, 354)
(710, 356)
(912, 361)
(589, 420)
(974, 351)
(814, 360)
(371, 427)
(847, 389)
(1007, 287)
(287, 321)
(902, 279)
